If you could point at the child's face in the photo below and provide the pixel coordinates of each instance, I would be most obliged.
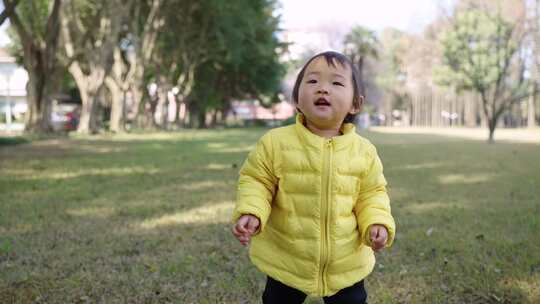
(325, 95)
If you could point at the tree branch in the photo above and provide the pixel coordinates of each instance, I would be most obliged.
(9, 9)
(52, 33)
(26, 38)
(151, 27)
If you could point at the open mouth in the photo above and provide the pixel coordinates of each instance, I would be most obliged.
(322, 102)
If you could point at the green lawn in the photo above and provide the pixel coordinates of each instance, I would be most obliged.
(144, 218)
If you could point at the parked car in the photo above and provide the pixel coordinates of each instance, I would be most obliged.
(65, 117)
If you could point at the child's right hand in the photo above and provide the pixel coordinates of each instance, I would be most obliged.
(246, 226)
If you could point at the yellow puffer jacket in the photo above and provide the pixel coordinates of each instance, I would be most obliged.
(316, 199)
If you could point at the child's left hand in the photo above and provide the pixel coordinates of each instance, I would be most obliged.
(378, 236)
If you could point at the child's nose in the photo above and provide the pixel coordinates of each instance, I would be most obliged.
(322, 89)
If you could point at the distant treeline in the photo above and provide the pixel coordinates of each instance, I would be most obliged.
(476, 64)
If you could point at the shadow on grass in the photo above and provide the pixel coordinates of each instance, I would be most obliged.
(12, 141)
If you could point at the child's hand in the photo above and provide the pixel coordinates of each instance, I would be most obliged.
(245, 227)
(379, 236)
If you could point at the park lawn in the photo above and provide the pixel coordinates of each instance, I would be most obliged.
(144, 218)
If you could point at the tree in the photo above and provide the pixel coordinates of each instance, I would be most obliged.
(360, 44)
(240, 59)
(118, 83)
(90, 50)
(533, 25)
(178, 51)
(392, 74)
(37, 24)
(482, 52)
(146, 23)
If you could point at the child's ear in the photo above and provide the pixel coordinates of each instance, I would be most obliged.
(357, 105)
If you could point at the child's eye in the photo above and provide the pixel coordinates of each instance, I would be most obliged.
(312, 81)
(338, 83)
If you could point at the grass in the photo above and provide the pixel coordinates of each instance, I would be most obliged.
(144, 218)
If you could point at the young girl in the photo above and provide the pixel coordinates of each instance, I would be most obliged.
(313, 195)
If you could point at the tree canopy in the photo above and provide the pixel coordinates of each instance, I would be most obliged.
(481, 53)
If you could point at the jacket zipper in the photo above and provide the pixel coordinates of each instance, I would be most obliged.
(325, 242)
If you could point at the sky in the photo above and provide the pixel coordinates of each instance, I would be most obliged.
(3, 37)
(410, 15)
(407, 15)
(319, 25)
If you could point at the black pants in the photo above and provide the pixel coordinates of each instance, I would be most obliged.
(276, 292)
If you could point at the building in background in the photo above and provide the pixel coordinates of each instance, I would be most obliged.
(13, 102)
(251, 112)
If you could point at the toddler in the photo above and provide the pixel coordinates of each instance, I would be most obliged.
(312, 197)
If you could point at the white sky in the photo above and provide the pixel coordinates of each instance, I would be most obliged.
(3, 36)
(406, 15)
(320, 25)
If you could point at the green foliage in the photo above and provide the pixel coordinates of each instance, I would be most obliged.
(476, 51)
(394, 49)
(15, 48)
(33, 16)
(361, 42)
(230, 46)
(242, 59)
(393, 76)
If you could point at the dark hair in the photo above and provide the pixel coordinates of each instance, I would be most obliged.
(330, 57)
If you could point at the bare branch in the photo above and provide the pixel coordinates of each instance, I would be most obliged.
(153, 23)
(9, 9)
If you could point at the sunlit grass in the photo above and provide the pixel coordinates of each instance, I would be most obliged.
(427, 207)
(32, 174)
(144, 218)
(101, 212)
(465, 178)
(214, 213)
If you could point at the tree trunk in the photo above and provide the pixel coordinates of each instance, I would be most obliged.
(117, 106)
(118, 83)
(535, 70)
(86, 109)
(202, 119)
(531, 119)
(154, 101)
(470, 110)
(98, 59)
(136, 106)
(39, 90)
(89, 88)
(139, 86)
(177, 121)
(163, 105)
(182, 112)
(361, 81)
(40, 61)
(144, 51)
(197, 115)
(88, 123)
(492, 124)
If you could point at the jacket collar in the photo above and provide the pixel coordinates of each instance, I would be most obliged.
(348, 131)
